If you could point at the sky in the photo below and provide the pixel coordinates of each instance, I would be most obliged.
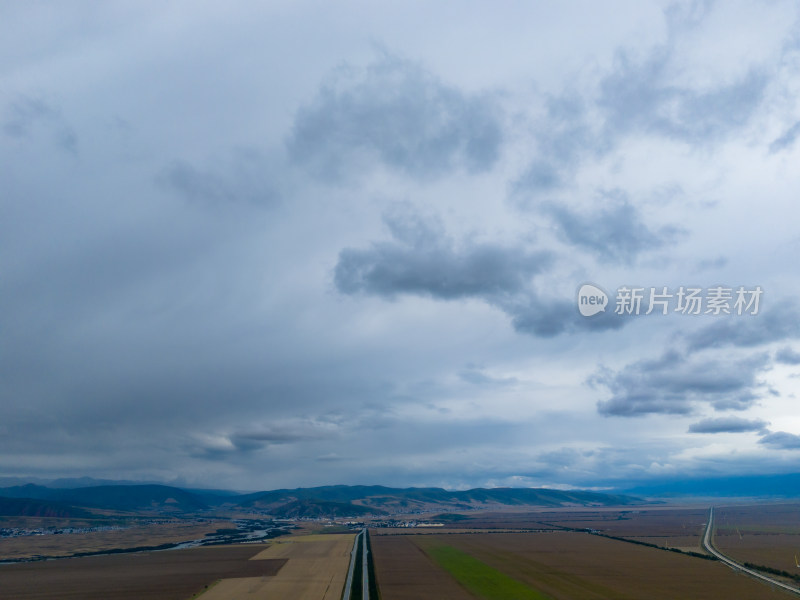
(262, 245)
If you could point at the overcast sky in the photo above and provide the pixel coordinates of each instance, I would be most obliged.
(262, 245)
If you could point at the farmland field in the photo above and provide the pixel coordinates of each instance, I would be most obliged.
(315, 569)
(480, 578)
(167, 575)
(669, 527)
(405, 572)
(560, 565)
(766, 535)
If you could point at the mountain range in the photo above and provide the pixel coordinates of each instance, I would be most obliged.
(325, 501)
(56, 499)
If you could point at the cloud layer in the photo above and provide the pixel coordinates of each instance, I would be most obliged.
(263, 246)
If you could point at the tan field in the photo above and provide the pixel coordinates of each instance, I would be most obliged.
(316, 569)
(73, 543)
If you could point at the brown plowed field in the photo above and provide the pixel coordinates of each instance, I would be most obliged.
(766, 535)
(404, 572)
(167, 575)
(564, 565)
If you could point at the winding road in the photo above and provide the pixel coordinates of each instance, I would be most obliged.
(708, 545)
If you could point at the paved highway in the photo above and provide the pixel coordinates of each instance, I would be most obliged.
(364, 570)
(348, 584)
(708, 545)
(361, 538)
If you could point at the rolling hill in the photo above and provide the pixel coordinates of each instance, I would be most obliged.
(328, 501)
(304, 509)
(29, 507)
(131, 498)
(384, 499)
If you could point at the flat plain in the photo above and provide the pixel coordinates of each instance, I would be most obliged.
(561, 565)
(136, 534)
(315, 569)
(767, 535)
(405, 572)
(165, 575)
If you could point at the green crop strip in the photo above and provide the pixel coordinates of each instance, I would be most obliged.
(479, 578)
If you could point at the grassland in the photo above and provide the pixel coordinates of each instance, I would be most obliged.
(169, 575)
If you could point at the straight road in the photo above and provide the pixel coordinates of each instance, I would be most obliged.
(364, 570)
(708, 545)
(348, 584)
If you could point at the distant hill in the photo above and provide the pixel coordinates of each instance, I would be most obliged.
(29, 490)
(299, 509)
(28, 507)
(324, 501)
(385, 499)
(159, 498)
(133, 498)
(69, 482)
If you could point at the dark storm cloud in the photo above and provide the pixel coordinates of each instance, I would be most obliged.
(787, 356)
(148, 335)
(641, 95)
(551, 317)
(397, 113)
(672, 384)
(258, 439)
(421, 261)
(613, 232)
(244, 179)
(778, 322)
(563, 139)
(279, 433)
(711, 264)
(786, 140)
(25, 114)
(476, 376)
(781, 440)
(541, 176)
(638, 97)
(727, 425)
